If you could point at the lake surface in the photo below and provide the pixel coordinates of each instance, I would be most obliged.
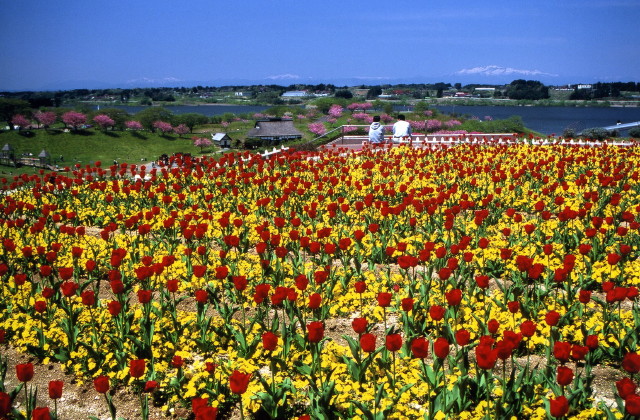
(543, 119)
(551, 119)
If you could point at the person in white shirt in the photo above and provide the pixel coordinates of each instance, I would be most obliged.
(401, 130)
(376, 131)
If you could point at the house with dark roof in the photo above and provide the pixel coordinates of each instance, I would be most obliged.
(274, 130)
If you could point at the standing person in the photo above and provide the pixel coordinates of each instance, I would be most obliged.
(401, 130)
(376, 131)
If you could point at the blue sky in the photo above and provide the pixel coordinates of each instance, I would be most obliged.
(87, 44)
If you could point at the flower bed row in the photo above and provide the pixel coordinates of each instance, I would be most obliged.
(465, 282)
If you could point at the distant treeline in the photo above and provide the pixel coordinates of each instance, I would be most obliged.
(270, 94)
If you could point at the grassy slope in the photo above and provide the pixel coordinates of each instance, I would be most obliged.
(91, 145)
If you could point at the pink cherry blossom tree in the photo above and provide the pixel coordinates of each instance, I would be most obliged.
(133, 125)
(74, 119)
(47, 119)
(181, 130)
(104, 121)
(317, 128)
(201, 142)
(21, 121)
(335, 111)
(163, 127)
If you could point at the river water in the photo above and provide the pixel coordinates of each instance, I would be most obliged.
(543, 119)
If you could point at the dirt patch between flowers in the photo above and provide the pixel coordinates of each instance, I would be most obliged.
(79, 400)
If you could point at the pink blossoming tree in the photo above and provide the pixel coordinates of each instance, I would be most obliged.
(181, 130)
(163, 127)
(201, 142)
(74, 119)
(104, 121)
(47, 119)
(317, 128)
(21, 121)
(133, 125)
(335, 111)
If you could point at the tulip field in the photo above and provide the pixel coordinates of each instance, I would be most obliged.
(480, 281)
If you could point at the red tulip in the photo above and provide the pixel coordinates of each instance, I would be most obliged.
(150, 386)
(454, 297)
(69, 288)
(269, 341)
(486, 356)
(393, 342)
(592, 342)
(137, 368)
(315, 331)
(55, 389)
(199, 270)
(625, 387)
(462, 337)
(579, 352)
(222, 272)
(176, 362)
(239, 381)
(359, 325)
(384, 299)
(482, 281)
(314, 300)
(101, 384)
(513, 307)
(493, 326)
(5, 404)
(202, 296)
(632, 405)
(528, 328)
(40, 413)
(552, 318)
(172, 285)
(40, 306)
(239, 283)
(436, 312)
(407, 304)
(441, 347)
(584, 296)
(114, 308)
(302, 282)
(420, 348)
(207, 413)
(558, 407)
(360, 286)
(88, 298)
(631, 363)
(564, 375)
(368, 342)
(561, 351)
(24, 372)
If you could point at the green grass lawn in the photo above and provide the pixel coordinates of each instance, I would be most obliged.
(88, 146)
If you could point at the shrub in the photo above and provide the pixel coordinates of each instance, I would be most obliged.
(634, 132)
(569, 133)
(595, 133)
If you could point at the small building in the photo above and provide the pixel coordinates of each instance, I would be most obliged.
(7, 156)
(44, 158)
(274, 130)
(221, 140)
(295, 94)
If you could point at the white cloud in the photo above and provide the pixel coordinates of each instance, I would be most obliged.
(501, 71)
(152, 80)
(286, 76)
